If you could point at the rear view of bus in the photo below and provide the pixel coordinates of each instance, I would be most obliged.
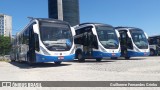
(46, 40)
(96, 41)
(133, 42)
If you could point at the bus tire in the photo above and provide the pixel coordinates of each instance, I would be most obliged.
(80, 57)
(58, 63)
(114, 58)
(29, 62)
(127, 58)
(98, 59)
(152, 52)
(13, 60)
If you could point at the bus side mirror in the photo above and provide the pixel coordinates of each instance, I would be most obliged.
(36, 42)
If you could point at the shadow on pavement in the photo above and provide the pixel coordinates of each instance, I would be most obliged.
(129, 59)
(93, 61)
(111, 60)
(24, 65)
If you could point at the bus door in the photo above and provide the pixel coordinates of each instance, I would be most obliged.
(90, 42)
(31, 52)
(158, 45)
(125, 42)
(87, 41)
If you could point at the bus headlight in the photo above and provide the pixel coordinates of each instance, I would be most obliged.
(44, 51)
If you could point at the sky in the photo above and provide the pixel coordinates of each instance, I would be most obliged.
(144, 14)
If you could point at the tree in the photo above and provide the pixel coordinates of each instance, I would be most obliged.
(5, 45)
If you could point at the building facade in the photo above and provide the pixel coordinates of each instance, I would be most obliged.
(66, 10)
(5, 25)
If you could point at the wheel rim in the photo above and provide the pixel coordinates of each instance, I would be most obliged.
(98, 59)
(152, 52)
(57, 62)
(125, 53)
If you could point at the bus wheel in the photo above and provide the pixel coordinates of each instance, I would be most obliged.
(29, 62)
(127, 58)
(98, 59)
(12, 60)
(80, 57)
(114, 58)
(57, 63)
(152, 52)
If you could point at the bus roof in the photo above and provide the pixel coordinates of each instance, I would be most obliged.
(121, 27)
(89, 23)
(49, 19)
(154, 36)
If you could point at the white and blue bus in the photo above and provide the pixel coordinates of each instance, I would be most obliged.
(45, 40)
(154, 43)
(96, 41)
(133, 42)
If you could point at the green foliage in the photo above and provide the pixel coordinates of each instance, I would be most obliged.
(5, 45)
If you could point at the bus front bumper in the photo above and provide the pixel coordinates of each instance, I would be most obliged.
(43, 58)
(98, 54)
(137, 54)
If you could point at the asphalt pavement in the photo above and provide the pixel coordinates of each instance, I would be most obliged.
(135, 69)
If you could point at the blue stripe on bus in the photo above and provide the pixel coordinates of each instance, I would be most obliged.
(136, 54)
(98, 54)
(43, 58)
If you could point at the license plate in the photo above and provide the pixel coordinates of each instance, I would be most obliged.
(145, 54)
(61, 57)
(113, 54)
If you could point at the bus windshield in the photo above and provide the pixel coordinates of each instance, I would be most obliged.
(55, 36)
(154, 40)
(107, 36)
(139, 38)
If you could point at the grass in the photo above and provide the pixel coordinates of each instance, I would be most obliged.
(4, 60)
